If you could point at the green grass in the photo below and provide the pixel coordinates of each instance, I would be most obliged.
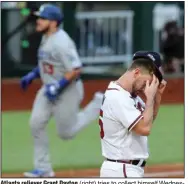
(166, 142)
(167, 137)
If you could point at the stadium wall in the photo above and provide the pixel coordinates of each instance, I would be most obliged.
(13, 98)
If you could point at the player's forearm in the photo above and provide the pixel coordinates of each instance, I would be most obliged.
(156, 105)
(144, 126)
(72, 74)
(68, 77)
(148, 113)
(35, 73)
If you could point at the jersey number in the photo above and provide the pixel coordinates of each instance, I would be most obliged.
(100, 122)
(48, 68)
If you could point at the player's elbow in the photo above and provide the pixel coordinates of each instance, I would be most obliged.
(77, 71)
(142, 131)
(74, 74)
(139, 129)
(145, 131)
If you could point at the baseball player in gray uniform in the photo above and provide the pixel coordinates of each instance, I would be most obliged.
(59, 68)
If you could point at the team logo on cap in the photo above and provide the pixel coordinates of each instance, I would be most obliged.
(151, 57)
(41, 9)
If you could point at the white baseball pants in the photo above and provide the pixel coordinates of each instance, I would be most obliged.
(115, 169)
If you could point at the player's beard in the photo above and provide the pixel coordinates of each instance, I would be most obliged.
(46, 30)
(136, 89)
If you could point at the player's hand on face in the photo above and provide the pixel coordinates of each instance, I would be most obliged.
(151, 89)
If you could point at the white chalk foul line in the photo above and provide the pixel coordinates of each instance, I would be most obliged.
(164, 174)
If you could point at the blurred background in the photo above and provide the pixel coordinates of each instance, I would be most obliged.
(106, 35)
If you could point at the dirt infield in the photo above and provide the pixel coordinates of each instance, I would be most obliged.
(13, 98)
(156, 171)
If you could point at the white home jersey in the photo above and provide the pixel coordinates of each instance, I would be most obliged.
(57, 55)
(120, 112)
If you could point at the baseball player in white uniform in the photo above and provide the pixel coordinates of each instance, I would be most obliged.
(59, 68)
(126, 121)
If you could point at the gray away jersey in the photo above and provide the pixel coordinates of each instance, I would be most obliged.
(57, 55)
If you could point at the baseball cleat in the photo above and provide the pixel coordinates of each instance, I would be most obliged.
(36, 173)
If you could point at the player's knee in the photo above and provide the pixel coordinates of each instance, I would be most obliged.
(66, 135)
(36, 124)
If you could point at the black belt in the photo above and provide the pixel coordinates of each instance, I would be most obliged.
(133, 162)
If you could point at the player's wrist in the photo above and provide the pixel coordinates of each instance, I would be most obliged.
(56, 88)
(63, 83)
(150, 101)
(150, 98)
(34, 73)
